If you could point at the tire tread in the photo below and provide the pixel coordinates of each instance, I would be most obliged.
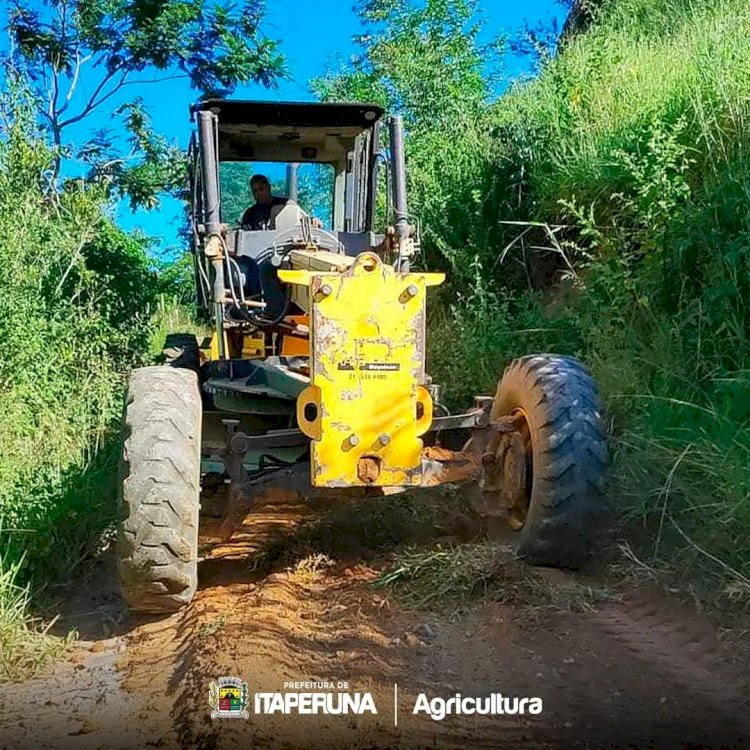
(160, 489)
(570, 456)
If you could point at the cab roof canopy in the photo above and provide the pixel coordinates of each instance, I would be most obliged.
(292, 132)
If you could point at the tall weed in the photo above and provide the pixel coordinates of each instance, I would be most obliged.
(78, 295)
(634, 143)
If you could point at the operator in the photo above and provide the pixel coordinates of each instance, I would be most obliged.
(258, 216)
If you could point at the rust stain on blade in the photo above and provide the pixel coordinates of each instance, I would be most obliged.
(443, 466)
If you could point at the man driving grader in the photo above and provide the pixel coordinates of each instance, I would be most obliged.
(318, 352)
(262, 214)
(258, 216)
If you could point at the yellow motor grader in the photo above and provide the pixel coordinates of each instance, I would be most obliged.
(318, 359)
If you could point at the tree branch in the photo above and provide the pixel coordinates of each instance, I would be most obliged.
(48, 91)
(158, 80)
(80, 61)
(102, 58)
(76, 254)
(62, 13)
(55, 90)
(93, 103)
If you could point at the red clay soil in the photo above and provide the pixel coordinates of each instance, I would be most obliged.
(635, 670)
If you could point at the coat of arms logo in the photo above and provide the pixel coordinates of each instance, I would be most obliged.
(229, 698)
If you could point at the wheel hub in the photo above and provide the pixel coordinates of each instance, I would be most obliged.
(506, 481)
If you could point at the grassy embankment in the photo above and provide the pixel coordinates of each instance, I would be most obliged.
(636, 138)
(75, 313)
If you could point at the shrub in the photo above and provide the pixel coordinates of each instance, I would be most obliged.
(74, 313)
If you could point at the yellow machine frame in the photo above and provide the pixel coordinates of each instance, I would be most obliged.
(366, 406)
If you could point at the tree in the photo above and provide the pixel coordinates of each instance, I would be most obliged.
(424, 61)
(428, 62)
(118, 46)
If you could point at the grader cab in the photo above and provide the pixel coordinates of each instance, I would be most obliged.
(317, 359)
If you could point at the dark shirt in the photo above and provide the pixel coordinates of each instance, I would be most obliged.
(259, 215)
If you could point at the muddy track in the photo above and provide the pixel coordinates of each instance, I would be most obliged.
(633, 670)
(665, 637)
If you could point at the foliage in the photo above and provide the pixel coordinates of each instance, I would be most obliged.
(599, 209)
(637, 136)
(424, 61)
(151, 164)
(315, 191)
(427, 63)
(74, 310)
(83, 55)
(177, 285)
(449, 577)
(23, 649)
(74, 313)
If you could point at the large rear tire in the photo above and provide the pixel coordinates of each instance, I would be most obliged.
(568, 456)
(157, 546)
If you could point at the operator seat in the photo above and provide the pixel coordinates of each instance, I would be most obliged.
(287, 216)
(260, 279)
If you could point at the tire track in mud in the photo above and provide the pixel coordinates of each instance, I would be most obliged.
(317, 620)
(681, 648)
(322, 629)
(668, 639)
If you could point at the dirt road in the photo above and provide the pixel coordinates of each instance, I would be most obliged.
(614, 667)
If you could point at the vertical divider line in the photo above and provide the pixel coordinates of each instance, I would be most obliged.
(395, 704)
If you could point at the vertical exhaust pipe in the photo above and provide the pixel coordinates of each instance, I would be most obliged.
(400, 209)
(292, 182)
(213, 247)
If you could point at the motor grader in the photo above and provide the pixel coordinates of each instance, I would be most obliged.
(317, 362)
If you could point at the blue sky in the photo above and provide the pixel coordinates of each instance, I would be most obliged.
(313, 36)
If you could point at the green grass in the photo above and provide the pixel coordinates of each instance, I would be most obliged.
(76, 312)
(172, 316)
(24, 647)
(637, 138)
(450, 577)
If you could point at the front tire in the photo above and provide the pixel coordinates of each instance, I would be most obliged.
(568, 456)
(157, 546)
